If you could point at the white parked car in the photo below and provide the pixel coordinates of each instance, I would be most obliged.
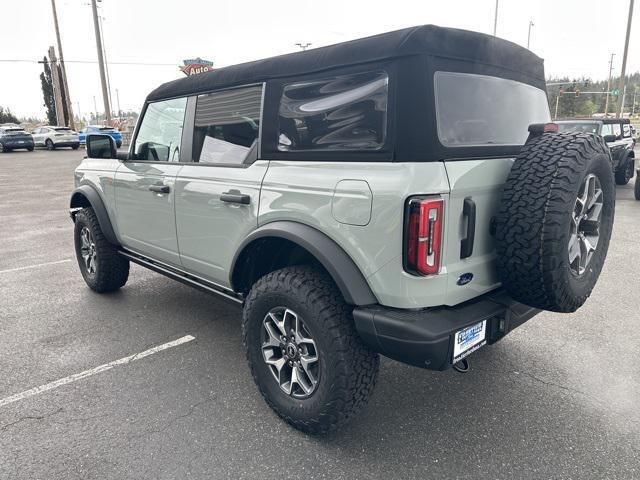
(55, 137)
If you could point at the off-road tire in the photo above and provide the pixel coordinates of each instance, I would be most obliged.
(623, 175)
(348, 369)
(49, 144)
(636, 188)
(112, 269)
(532, 227)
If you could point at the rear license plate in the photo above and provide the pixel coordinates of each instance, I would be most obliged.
(468, 340)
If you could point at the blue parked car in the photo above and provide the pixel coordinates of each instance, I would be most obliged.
(100, 130)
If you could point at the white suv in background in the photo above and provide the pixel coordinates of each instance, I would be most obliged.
(54, 137)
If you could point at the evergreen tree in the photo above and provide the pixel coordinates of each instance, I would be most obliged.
(46, 81)
(7, 117)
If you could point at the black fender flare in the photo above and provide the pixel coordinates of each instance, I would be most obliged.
(95, 201)
(348, 277)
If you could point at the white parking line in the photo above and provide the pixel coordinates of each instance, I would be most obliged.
(87, 373)
(35, 266)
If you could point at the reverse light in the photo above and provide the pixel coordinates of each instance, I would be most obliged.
(424, 219)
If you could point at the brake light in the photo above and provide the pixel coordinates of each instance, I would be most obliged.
(424, 219)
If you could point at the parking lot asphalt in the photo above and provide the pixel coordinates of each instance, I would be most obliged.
(558, 398)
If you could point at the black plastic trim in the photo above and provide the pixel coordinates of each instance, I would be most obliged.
(93, 197)
(466, 244)
(334, 259)
(424, 338)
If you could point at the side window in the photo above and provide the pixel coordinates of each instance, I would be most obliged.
(616, 129)
(227, 125)
(606, 129)
(344, 112)
(160, 132)
(626, 130)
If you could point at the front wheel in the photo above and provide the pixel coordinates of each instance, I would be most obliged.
(625, 174)
(304, 352)
(102, 267)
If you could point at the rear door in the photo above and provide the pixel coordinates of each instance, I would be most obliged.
(145, 183)
(217, 194)
(475, 112)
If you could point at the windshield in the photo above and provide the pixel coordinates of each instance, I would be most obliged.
(473, 110)
(578, 127)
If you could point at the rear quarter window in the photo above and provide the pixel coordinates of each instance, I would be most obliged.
(336, 113)
(476, 110)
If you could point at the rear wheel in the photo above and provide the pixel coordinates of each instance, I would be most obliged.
(625, 174)
(555, 221)
(304, 352)
(49, 144)
(3, 149)
(102, 267)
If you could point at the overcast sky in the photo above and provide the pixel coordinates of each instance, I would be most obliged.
(575, 38)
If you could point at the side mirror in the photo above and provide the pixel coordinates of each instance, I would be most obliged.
(101, 146)
(610, 138)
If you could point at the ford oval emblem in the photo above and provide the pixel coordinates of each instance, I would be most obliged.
(465, 278)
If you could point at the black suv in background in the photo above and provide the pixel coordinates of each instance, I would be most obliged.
(616, 133)
(13, 137)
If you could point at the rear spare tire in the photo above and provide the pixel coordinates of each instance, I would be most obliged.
(555, 220)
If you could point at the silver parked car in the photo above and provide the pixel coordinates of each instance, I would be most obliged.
(55, 137)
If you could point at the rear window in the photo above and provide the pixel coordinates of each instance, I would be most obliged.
(476, 110)
(577, 127)
(107, 129)
(62, 129)
(343, 112)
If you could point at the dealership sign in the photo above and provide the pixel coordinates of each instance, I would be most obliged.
(193, 66)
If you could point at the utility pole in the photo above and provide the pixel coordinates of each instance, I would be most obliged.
(106, 60)
(303, 46)
(606, 102)
(103, 78)
(624, 58)
(633, 107)
(531, 24)
(57, 92)
(95, 108)
(62, 67)
(495, 20)
(555, 115)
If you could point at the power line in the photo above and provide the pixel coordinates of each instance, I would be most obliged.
(23, 60)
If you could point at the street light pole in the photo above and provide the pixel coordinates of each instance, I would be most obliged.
(495, 20)
(118, 98)
(531, 24)
(624, 59)
(65, 85)
(606, 102)
(103, 79)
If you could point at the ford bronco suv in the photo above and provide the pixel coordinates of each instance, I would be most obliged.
(617, 133)
(402, 195)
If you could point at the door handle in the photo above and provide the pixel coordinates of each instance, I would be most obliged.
(160, 188)
(469, 211)
(234, 196)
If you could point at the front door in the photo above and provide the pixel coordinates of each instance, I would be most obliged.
(145, 183)
(217, 194)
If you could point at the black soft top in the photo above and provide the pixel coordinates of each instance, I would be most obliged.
(605, 121)
(431, 40)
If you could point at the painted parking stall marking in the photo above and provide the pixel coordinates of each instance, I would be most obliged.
(93, 371)
(38, 265)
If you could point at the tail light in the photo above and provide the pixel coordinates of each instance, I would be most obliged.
(424, 219)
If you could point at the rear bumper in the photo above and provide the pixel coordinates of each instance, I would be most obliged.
(424, 338)
(67, 143)
(18, 143)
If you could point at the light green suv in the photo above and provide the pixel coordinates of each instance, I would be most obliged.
(402, 194)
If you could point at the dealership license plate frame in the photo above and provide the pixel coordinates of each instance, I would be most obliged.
(476, 338)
